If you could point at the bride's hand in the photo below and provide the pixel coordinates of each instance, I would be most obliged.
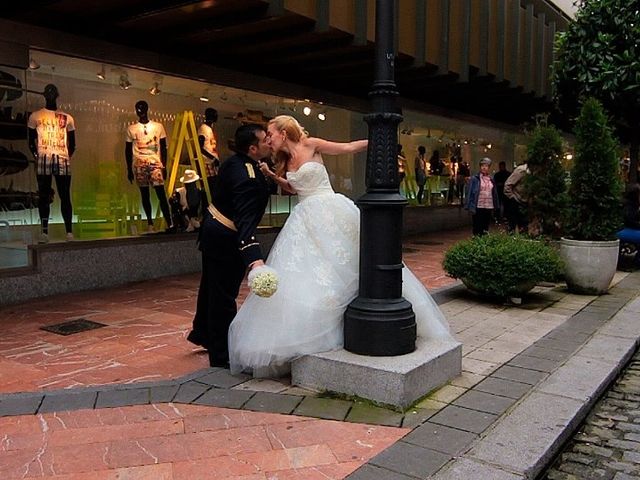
(264, 168)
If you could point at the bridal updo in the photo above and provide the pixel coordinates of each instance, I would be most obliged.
(294, 132)
(288, 124)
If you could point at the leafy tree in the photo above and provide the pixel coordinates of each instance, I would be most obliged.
(545, 186)
(594, 211)
(599, 56)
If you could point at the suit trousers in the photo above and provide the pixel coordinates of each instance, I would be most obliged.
(222, 273)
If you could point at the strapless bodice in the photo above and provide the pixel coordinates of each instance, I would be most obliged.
(310, 179)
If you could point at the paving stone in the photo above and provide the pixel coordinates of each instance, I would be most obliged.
(593, 450)
(608, 349)
(20, 404)
(223, 379)
(68, 401)
(578, 458)
(585, 322)
(502, 387)
(522, 441)
(371, 472)
(568, 336)
(468, 469)
(221, 397)
(122, 398)
(581, 378)
(624, 476)
(189, 391)
(517, 374)
(163, 393)
(365, 413)
(484, 402)
(327, 408)
(632, 457)
(564, 345)
(440, 438)
(547, 353)
(534, 363)
(602, 309)
(464, 419)
(410, 459)
(273, 402)
(417, 416)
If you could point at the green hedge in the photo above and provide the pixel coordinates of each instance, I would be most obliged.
(499, 264)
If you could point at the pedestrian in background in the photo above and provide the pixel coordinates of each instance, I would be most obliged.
(482, 199)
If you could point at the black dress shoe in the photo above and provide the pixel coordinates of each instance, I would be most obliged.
(197, 339)
(216, 361)
(219, 363)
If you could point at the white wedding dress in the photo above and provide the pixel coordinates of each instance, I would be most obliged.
(316, 256)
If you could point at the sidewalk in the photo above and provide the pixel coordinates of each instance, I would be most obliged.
(134, 400)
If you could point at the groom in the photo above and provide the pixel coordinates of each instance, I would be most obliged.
(227, 240)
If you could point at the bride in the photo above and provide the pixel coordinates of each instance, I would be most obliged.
(316, 256)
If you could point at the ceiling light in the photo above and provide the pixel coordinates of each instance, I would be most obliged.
(101, 74)
(306, 111)
(124, 83)
(33, 65)
(205, 96)
(322, 117)
(155, 90)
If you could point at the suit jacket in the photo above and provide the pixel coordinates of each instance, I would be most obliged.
(241, 193)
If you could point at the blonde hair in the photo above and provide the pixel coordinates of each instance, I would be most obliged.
(294, 132)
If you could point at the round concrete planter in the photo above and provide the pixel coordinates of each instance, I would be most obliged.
(517, 291)
(589, 266)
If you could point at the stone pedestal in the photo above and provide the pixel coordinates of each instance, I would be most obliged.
(397, 381)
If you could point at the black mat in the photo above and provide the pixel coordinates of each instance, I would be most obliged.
(73, 326)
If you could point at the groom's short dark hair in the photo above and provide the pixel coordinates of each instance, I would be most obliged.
(246, 136)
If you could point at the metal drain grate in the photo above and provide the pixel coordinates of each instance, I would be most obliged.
(74, 326)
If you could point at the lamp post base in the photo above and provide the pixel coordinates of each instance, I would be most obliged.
(379, 327)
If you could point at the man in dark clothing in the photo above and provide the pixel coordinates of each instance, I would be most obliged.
(227, 240)
(499, 178)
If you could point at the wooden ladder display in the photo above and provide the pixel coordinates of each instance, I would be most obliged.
(184, 134)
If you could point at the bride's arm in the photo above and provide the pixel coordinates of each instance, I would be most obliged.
(283, 183)
(336, 148)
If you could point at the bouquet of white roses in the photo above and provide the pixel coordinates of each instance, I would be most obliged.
(263, 281)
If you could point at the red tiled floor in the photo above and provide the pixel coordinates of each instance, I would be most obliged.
(144, 340)
(146, 327)
(151, 442)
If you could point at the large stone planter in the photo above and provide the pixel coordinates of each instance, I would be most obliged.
(589, 266)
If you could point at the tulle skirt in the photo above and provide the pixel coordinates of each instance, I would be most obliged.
(316, 256)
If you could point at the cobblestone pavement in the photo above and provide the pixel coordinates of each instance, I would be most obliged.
(607, 446)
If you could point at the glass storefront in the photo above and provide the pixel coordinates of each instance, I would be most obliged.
(101, 99)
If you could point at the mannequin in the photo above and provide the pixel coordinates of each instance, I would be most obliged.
(146, 155)
(209, 144)
(52, 142)
(188, 202)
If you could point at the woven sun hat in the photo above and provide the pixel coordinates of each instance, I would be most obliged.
(189, 176)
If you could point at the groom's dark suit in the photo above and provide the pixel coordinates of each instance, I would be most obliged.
(228, 244)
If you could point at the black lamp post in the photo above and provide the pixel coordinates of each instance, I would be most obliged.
(379, 321)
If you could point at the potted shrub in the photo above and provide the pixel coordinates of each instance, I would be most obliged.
(501, 265)
(545, 185)
(594, 213)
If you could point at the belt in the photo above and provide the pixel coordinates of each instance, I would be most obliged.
(221, 218)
